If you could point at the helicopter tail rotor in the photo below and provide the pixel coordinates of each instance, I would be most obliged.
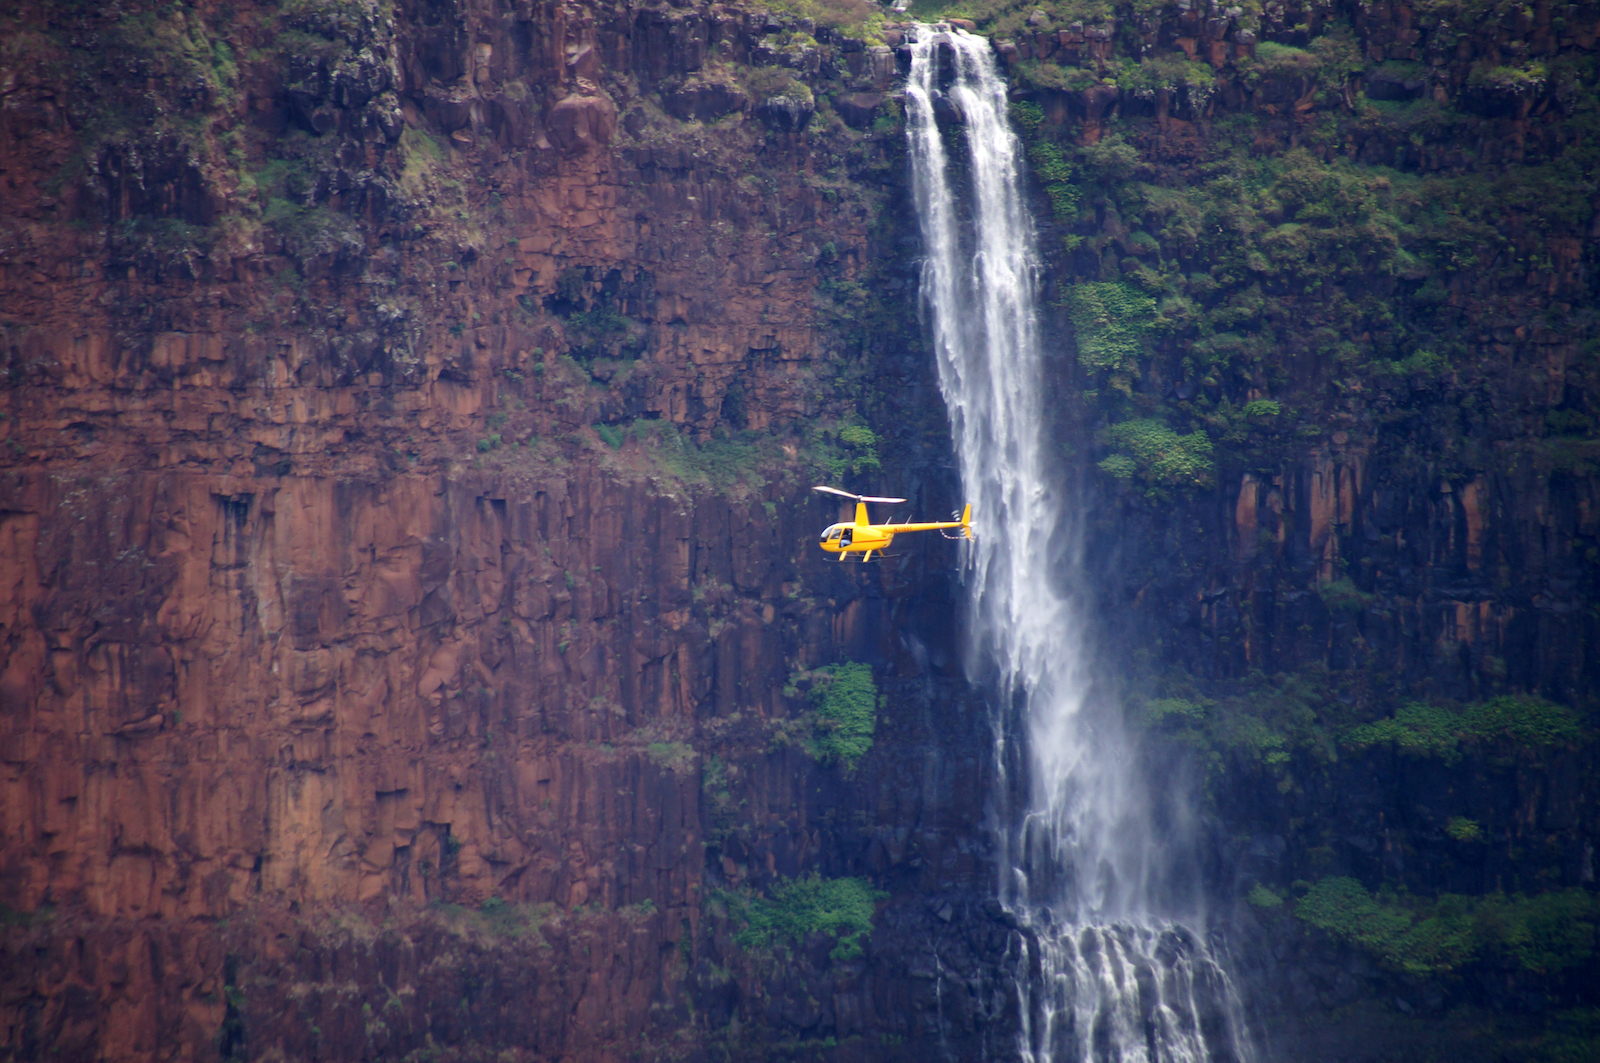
(965, 517)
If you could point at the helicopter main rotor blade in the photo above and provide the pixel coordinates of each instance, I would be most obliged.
(858, 498)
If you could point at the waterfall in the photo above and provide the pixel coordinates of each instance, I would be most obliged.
(1102, 974)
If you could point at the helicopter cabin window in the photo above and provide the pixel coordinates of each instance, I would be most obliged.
(832, 532)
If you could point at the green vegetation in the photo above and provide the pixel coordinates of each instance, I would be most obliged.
(1261, 722)
(721, 807)
(1343, 596)
(1114, 323)
(1513, 721)
(721, 461)
(1047, 75)
(1004, 17)
(496, 917)
(602, 332)
(1251, 269)
(421, 157)
(846, 702)
(1171, 73)
(350, 21)
(797, 908)
(10, 916)
(850, 18)
(767, 82)
(1464, 830)
(728, 459)
(1543, 934)
(1262, 897)
(1157, 456)
(677, 756)
(860, 451)
(1050, 166)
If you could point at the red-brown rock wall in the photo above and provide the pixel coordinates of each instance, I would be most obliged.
(328, 614)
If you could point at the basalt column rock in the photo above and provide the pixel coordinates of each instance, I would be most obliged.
(407, 586)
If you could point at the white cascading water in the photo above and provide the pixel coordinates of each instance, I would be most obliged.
(1102, 976)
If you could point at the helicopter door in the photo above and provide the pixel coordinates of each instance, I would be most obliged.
(844, 538)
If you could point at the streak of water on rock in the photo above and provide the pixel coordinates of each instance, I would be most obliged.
(1103, 973)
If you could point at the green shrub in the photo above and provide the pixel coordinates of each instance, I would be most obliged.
(1027, 115)
(847, 702)
(1417, 729)
(1050, 166)
(1113, 323)
(1343, 596)
(1158, 709)
(1517, 720)
(1170, 72)
(1464, 830)
(722, 808)
(1157, 455)
(1518, 81)
(1543, 933)
(1110, 159)
(1282, 60)
(1420, 363)
(1342, 906)
(497, 916)
(673, 755)
(1522, 720)
(721, 461)
(850, 18)
(1262, 897)
(312, 232)
(769, 82)
(800, 907)
(863, 443)
(1048, 75)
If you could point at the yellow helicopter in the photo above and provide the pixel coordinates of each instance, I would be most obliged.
(866, 538)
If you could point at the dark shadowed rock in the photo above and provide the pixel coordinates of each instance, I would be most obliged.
(704, 103)
(785, 114)
(1384, 84)
(858, 108)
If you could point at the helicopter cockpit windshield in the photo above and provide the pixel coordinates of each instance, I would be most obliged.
(833, 531)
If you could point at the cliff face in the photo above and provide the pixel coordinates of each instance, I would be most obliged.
(409, 625)
(409, 597)
(1330, 273)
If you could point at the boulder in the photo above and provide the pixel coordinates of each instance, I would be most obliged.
(703, 103)
(785, 114)
(582, 123)
(858, 109)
